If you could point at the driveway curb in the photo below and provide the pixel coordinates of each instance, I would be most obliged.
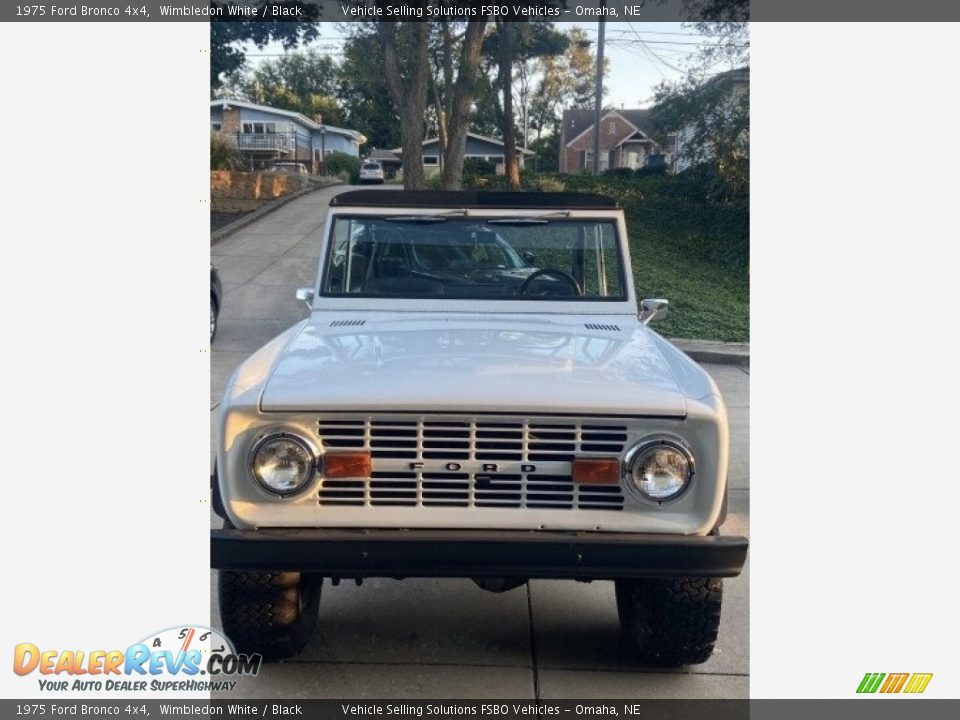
(714, 351)
(229, 229)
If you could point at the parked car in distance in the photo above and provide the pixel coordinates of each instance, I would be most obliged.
(289, 166)
(475, 393)
(371, 172)
(216, 295)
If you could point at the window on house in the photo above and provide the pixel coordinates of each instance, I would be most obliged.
(588, 158)
(260, 128)
(430, 160)
(215, 127)
(612, 127)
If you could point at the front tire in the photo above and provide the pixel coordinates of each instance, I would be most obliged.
(670, 621)
(273, 614)
(214, 317)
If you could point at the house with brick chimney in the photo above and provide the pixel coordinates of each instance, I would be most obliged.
(265, 134)
(626, 140)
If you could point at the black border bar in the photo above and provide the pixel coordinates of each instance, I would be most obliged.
(581, 11)
(350, 553)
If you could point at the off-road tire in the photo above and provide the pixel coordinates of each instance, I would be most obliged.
(670, 621)
(269, 613)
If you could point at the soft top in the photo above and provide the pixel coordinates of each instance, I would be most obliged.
(472, 199)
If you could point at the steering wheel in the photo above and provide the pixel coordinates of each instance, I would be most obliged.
(566, 277)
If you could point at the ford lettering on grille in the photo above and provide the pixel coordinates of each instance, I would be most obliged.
(467, 461)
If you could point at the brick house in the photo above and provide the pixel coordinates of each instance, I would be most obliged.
(626, 140)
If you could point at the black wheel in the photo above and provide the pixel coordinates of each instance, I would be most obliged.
(670, 621)
(214, 315)
(269, 613)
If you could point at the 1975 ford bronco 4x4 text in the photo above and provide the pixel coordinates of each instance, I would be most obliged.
(475, 394)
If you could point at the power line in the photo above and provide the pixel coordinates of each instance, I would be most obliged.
(651, 53)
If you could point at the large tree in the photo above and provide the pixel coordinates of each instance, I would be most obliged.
(305, 82)
(565, 81)
(710, 107)
(363, 93)
(227, 36)
(406, 57)
(451, 80)
(515, 42)
(453, 111)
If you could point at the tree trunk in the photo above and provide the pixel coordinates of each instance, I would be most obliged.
(458, 118)
(511, 163)
(409, 96)
(438, 108)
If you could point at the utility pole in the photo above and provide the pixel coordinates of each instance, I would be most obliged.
(601, 27)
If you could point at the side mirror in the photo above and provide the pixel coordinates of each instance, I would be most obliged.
(528, 257)
(651, 310)
(306, 294)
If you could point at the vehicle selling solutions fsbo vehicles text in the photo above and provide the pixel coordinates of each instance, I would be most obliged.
(402, 11)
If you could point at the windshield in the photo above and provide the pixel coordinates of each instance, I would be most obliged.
(414, 256)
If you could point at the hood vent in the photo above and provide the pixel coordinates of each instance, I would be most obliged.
(601, 326)
(347, 323)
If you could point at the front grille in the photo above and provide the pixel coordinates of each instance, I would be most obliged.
(443, 445)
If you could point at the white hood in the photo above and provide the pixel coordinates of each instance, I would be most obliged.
(464, 363)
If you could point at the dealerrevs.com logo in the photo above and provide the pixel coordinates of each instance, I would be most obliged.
(893, 683)
(180, 659)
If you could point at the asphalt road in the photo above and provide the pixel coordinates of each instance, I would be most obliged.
(448, 638)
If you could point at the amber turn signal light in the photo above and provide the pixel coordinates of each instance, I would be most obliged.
(347, 465)
(596, 471)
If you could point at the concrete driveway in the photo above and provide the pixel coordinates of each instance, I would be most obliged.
(447, 638)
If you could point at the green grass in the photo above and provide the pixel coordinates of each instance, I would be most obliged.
(693, 252)
(707, 301)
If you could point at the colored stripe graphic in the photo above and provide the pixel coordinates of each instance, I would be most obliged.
(918, 682)
(870, 682)
(894, 682)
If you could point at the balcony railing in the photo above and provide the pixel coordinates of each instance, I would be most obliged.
(270, 142)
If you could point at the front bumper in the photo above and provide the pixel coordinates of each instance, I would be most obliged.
(349, 553)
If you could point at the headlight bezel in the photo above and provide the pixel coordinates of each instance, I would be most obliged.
(646, 444)
(296, 439)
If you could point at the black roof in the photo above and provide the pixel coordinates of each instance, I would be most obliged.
(473, 199)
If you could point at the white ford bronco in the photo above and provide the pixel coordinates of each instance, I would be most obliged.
(474, 394)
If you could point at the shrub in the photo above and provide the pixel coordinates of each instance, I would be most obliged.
(620, 172)
(478, 166)
(651, 170)
(339, 162)
(547, 183)
(223, 155)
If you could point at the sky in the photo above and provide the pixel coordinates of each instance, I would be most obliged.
(642, 54)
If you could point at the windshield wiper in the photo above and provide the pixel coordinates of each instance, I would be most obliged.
(517, 221)
(432, 217)
(416, 219)
(531, 220)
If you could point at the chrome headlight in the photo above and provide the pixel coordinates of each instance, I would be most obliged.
(660, 469)
(282, 464)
